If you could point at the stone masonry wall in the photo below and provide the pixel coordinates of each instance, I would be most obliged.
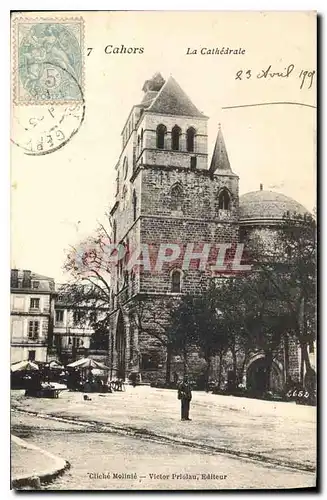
(199, 193)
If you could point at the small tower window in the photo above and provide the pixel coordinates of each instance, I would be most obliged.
(124, 197)
(125, 167)
(134, 205)
(175, 135)
(190, 135)
(224, 200)
(161, 132)
(176, 195)
(138, 145)
(142, 139)
(193, 162)
(126, 257)
(117, 184)
(176, 281)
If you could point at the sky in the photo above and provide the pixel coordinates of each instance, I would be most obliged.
(56, 199)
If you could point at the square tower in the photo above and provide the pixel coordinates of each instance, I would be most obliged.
(166, 195)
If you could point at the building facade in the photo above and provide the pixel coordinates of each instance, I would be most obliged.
(32, 311)
(73, 334)
(168, 192)
(44, 327)
(71, 339)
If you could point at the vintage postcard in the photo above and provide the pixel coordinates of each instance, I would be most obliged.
(163, 274)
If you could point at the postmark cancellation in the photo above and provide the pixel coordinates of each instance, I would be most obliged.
(48, 60)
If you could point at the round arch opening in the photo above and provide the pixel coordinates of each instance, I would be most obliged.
(257, 375)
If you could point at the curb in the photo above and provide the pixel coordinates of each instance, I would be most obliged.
(156, 437)
(34, 481)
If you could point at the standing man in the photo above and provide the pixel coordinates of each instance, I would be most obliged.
(185, 395)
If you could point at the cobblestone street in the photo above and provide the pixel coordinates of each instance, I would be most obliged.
(272, 433)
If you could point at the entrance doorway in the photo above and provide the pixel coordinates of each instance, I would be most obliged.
(121, 347)
(256, 377)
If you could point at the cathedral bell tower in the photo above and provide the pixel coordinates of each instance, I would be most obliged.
(172, 131)
(166, 194)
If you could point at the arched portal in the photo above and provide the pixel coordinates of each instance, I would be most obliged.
(257, 373)
(121, 346)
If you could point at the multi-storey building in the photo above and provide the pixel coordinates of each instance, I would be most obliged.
(32, 310)
(44, 326)
(73, 335)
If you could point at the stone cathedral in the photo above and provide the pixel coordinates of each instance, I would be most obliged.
(168, 190)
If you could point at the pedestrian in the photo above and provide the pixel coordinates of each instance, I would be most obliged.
(185, 395)
(133, 378)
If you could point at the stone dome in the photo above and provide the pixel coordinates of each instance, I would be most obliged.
(267, 206)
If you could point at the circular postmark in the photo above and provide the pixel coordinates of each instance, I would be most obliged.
(45, 128)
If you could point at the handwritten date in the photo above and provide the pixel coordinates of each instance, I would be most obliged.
(306, 77)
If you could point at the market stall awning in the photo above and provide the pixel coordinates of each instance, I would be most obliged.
(54, 365)
(88, 363)
(23, 366)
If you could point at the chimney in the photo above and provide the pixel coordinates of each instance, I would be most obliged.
(261, 187)
(14, 278)
(26, 279)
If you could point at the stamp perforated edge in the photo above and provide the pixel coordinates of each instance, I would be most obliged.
(14, 69)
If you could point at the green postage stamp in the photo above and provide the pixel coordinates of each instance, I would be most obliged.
(48, 60)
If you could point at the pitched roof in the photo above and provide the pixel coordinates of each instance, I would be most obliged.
(220, 159)
(31, 274)
(172, 100)
(155, 83)
(40, 277)
(148, 98)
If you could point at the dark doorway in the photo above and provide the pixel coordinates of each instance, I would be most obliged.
(31, 355)
(121, 346)
(257, 376)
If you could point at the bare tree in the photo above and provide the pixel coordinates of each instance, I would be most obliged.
(89, 288)
(153, 324)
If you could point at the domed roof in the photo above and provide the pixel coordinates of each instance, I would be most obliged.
(267, 206)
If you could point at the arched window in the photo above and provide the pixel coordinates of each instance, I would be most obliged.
(224, 200)
(175, 135)
(190, 136)
(176, 196)
(176, 281)
(134, 205)
(125, 167)
(161, 132)
(114, 231)
(117, 184)
(150, 360)
(124, 197)
(138, 145)
(141, 140)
